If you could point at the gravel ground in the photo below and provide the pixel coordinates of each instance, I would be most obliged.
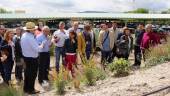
(136, 84)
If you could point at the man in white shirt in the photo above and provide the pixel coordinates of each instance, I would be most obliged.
(30, 50)
(59, 38)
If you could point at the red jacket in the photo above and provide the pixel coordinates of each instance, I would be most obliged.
(150, 39)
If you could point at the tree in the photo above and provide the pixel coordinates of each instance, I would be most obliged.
(139, 10)
(166, 11)
(2, 10)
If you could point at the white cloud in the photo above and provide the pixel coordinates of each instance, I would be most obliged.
(45, 6)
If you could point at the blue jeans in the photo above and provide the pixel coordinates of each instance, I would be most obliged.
(59, 51)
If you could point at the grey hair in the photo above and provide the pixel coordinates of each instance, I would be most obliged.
(61, 23)
(148, 25)
(45, 27)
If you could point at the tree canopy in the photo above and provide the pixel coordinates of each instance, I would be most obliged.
(166, 11)
(2, 10)
(139, 10)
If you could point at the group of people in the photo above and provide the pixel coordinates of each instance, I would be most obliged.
(29, 49)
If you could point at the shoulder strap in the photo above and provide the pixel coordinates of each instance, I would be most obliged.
(106, 37)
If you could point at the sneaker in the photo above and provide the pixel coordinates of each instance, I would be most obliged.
(45, 83)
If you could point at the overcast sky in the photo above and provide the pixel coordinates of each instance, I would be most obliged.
(45, 6)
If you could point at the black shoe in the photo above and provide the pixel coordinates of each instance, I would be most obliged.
(135, 66)
(33, 92)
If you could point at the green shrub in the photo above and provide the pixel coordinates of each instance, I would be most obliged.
(10, 91)
(60, 83)
(90, 76)
(100, 74)
(120, 67)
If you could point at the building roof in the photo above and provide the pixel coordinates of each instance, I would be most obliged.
(85, 16)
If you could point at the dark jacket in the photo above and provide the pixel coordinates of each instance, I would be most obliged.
(18, 50)
(123, 45)
(1, 40)
(7, 49)
(92, 41)
(139, 36)
(70, 47)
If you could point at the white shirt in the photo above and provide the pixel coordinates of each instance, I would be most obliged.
(29, 45)
(62, 36)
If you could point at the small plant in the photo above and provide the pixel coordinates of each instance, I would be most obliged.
(76, 83)
(100, 74)
(90, 76)
(120, 67)
(10, 91)
(60, 83)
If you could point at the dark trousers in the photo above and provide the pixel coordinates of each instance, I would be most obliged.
(44, 64)
(123, 53)
(8, 65)
(106, 57)
(59, 51)
(138, 55)
(2, 71)
(88, 53)
(125, 56)
(30, 73)
(18, 72)
(113, 55)
(18, 69)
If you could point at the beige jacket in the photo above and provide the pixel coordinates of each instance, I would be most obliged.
(101, 39)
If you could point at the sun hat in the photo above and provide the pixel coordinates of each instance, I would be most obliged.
(29, 26)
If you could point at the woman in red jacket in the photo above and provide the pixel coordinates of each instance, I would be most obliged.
(150, 39)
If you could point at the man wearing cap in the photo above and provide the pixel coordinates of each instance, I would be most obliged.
(59, 38)
(30, 50)
(44, 55)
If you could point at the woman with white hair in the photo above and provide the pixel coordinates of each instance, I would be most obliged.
(149, 38)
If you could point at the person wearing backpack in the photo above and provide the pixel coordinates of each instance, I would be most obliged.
(106, 43)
